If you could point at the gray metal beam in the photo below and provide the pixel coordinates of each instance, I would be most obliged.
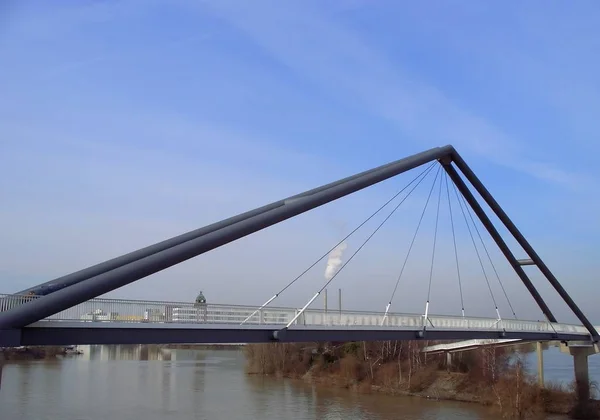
(103, 283)
(464, 190)
(493, 204)
(122, 260)
(137, 334)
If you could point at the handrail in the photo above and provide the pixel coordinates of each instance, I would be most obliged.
(152, 311)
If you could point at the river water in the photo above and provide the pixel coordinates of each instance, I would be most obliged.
(138, 382)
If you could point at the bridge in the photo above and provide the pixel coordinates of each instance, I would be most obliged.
(118, 321)
(68, 310)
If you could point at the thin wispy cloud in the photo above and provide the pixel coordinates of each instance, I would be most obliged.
(80, 64)
(336, 58)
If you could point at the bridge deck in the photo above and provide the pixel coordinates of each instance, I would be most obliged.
(117, 321)
(66, 332)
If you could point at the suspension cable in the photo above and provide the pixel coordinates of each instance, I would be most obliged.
(435, 232)
(361, 246)
(477, 251)
(490, 259)
(422, 174)
(410, 247)
(437, 219)
(462, 304)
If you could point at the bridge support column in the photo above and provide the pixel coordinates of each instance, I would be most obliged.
(580, 353)
(582, 376)
(540, 363)
(448, 361)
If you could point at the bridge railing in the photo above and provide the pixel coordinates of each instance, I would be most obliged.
(10, 301)
(123, 310)
(146, 311)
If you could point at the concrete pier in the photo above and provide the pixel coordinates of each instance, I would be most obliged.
(540, 363)
(582, 376)
(580, 352)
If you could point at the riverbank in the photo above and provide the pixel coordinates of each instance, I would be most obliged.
(50, 352)
(489, 376)
(35, 352)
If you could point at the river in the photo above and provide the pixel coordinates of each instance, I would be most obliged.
(149, 383)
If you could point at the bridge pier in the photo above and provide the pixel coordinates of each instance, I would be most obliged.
(540, 363)
(582, 375)
(580, 352)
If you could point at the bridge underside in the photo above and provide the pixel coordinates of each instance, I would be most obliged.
(460, 346)
(66, 333)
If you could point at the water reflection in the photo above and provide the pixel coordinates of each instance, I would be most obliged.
(166, 389)
(151, 382)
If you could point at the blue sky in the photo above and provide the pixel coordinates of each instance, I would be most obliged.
(125, 122)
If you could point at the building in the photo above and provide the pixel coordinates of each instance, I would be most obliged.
(100, 315)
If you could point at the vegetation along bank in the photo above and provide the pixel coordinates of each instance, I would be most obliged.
(489, 375)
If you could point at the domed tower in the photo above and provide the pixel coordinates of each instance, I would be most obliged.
(200, 299)
(201, 310)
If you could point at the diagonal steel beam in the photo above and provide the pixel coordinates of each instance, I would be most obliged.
(82, 291)
(103, 267)
(464, 190)
(514, 231)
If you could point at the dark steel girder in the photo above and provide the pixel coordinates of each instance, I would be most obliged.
(136, 334)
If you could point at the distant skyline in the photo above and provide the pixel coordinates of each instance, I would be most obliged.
(125, 122)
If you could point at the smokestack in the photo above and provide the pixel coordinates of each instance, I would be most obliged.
(325, 296)
(334, 262)
(340, 303)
